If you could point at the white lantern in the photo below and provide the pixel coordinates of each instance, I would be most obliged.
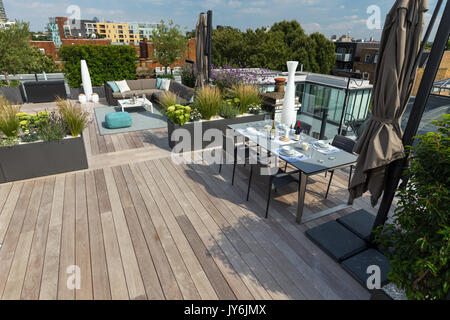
(288, 114)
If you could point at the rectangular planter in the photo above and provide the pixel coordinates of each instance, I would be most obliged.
(40, 159)
(220, 124)
(12, 94)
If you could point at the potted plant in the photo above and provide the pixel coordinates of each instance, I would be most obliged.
(12, 92)
(216, 113)
(35, 145)
(417, 243)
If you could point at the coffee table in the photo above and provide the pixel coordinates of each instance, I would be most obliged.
(140, 103)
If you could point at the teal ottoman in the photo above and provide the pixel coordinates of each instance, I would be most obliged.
(118, 120)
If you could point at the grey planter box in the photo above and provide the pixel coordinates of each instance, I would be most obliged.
(40, 159)
(12, 94)
(75, 92)
(221, 125)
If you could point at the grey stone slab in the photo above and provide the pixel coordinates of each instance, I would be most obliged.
(359, 222)
(336, 240)
(358, 264)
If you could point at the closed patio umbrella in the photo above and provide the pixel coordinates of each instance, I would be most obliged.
(381, 142)
(201, 66)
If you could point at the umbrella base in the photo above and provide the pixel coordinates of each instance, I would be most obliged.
(359, 222)
(336, 240)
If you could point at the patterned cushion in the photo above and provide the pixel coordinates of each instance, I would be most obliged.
(158, 83)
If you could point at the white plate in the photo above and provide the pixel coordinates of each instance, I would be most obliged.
(288, 151)
(252, 130)
(322, 144)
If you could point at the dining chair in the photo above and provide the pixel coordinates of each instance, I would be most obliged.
(236, 151)
(276, 181)
(347, 145)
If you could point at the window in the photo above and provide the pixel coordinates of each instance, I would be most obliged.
(367, 58)
(158, 69)
(42, 50)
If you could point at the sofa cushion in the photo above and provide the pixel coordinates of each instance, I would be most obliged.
(148, 92)
(123, 86)
(158, 83)
(181, 90)
(118, 120)
(113, 86)
(165, 85)
(148, 84)
(134, 84)
(128, 94)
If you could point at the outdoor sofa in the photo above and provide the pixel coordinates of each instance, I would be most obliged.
(183, 93)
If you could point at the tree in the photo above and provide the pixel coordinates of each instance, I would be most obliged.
(272, 47)
(169, 44)
(16, 54)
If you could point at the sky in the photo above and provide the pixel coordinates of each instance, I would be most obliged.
(330, 17)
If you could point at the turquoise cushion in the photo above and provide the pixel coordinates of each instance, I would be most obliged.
(158, 83)
(118, 120)
(113, 86)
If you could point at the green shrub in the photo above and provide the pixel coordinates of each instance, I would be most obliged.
(166, 76)
(75, 118)
(9, 121)
(208, 101)
(254, 109)
(29, 124)
(52, 128)
(13, 83)
(8, 141)
(105, 63)
(420, 234)
(229, 112)
(187, 76)
(179, 114)
(167, 99)
(247, 94)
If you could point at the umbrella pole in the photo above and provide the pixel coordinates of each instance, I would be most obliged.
(209, 42)
(395, 169)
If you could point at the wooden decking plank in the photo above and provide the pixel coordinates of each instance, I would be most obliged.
(180, 231)
(67, 249)
(116, 273)
(144, 203)
(116, 142)
(310, 284)
(109, 143)
(5, 188)
(8, 208)
(288, 286)
(12, 235)
(129, 140)
(199, 218)
(235, 255)
(93, 139)
(49, 282)
(146, 266)
(13, 287)
(82, 246)
(32, 283)
(314, 258)
(136, 140)
(100, 280)
(267, 248)
(135, 285)
(184, 280)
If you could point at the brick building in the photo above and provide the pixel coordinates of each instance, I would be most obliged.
(443, 72)
(49, 47)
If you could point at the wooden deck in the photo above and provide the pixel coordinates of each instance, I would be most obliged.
(140, 227)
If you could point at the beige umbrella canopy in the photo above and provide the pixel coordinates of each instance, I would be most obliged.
(381, 142)
(201, 66)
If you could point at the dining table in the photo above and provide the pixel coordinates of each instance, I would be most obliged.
(308, 156)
